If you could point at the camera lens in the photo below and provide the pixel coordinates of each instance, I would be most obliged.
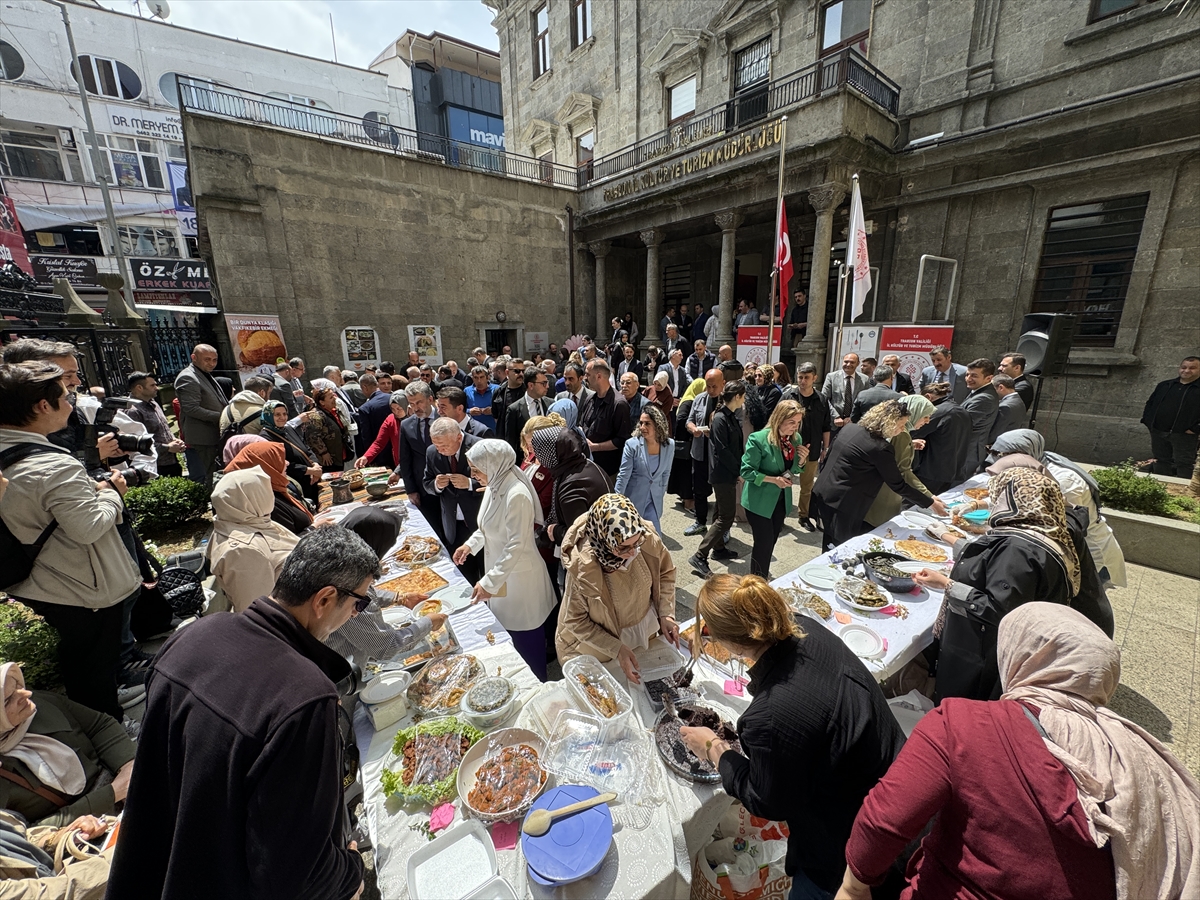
(136, 443)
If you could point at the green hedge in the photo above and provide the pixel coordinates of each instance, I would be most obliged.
(1122, 487)
(27, 640)
(166, 502)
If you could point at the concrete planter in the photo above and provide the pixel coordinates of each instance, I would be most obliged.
(1167, 544)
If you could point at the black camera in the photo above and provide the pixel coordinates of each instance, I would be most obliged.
(101, 425)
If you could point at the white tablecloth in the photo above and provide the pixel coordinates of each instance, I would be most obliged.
(905, 637)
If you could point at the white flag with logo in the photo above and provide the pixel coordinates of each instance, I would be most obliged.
(858, 264)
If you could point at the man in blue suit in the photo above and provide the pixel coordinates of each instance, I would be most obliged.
(944, 369)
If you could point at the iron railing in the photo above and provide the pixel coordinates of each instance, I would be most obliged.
(847, 68)
(262, 110)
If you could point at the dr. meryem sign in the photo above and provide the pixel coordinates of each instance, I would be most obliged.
(170, 275)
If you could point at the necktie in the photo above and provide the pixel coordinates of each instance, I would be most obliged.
(941, 376)
(848, 397)
(425, 431)
(541, 405)
(454, 465)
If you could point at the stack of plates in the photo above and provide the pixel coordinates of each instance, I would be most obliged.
(575, 846)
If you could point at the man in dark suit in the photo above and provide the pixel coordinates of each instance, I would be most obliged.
(945, 369)
(901, 383)
(1012, 413)
(698, 322)
(880, 391)
(677, 378)
(452, 404)
(630, 363)
(674, 341)
(448, 481)
(574, 387)
(507, 395)
(414, 441)
(533, 402)
(947, 436)
(373, 413)
(1013, 365)
(841, 389)
(283, 390)
(983, 404)
(201, 402)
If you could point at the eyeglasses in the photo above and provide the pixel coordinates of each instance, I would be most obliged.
(623, 550)
(360, 602)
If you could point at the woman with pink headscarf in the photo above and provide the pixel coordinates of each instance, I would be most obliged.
(1043, 793)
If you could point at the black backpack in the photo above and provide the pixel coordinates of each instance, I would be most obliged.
(16, 559)
(233, 429)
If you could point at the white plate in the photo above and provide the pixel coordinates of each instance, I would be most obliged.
(862, 641)
(386, 687)
(918, 520)
(454, 597)
(912, 566)
(397, 615)
(861, 608)
(820, 575)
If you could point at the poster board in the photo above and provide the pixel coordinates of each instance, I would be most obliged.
(258, 343)
(426, 341)
(860, 339)
(752, 344)
(360, 347)
(912, 343)
(537, 342)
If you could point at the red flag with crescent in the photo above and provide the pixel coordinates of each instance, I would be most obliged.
(783, 260)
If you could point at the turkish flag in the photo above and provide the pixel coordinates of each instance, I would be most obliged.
(783, 259)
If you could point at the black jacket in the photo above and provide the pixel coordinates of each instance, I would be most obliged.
(237, 791)
(370, 418)
(817, 418)
(578, 483)
(603, 419)
(298, 455)
(727, 441)
(1188, 417)
(870, 398)
(947, 436)
(283, 393)
(1025, 390)
(903, 384)
(502, 398)
(817, 736)
(450, 497)
(414, 441)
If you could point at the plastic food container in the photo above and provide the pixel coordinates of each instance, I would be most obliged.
(574, 847)
(582, 749)
(656, 665)
(384, 698)
(489, 758)
(453, 866)
(542, 709)
(603, 687)
(489, 702)
(494, 889)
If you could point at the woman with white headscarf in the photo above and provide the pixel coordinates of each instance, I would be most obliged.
(1079, 489)
(516, 584)
(1045, 793)
(52, 751)
(247, 549)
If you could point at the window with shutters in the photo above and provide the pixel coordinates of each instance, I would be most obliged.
(681, 100)
(1087, 261)
(677, 285)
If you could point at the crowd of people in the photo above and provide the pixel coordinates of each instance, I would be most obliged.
(547, 480)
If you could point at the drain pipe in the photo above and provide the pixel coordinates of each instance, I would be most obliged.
(571, 261)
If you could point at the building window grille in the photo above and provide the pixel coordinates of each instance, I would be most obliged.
(677, 285)
(1102, 9)
(1087, 261)
(541, 40)
(12, 66)
(109, 78)
(681, 100)
(846, 23)
(581, 22)
(752, 65)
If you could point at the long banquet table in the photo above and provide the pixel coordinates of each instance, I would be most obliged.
(659, 832)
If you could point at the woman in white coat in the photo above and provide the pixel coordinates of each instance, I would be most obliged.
(516, 584)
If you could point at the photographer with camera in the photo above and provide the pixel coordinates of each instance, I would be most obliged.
(143, 388)
(83, 573)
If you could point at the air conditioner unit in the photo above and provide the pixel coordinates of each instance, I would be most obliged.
(66, 137)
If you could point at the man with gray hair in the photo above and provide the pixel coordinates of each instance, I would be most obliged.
(879, 391)
(901, 383)
(448, 478)
(283, 392)
(221, 766)
(201, 402)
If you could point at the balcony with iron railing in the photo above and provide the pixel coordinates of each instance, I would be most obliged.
(847, 69)
(270, 112)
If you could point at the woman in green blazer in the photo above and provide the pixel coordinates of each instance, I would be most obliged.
(772, 456)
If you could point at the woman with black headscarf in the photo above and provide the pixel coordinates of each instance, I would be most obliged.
(303, 467)
(578, 482)
(366, 635)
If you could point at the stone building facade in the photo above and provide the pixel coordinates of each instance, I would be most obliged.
(1050, 149)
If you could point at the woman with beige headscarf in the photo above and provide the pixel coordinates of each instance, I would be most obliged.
(1046, 793)
(887, 502)
(52, 753)
(247, 549)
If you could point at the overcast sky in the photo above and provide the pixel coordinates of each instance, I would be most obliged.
(363, 27)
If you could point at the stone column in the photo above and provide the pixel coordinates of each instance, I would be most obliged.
(652, 238)
(728, 222)
(599, 249)
(825, 199)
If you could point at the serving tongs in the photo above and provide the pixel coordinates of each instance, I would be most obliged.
(697, 648)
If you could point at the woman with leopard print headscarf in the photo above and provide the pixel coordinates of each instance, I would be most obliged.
(620, 586)
(1027, 554)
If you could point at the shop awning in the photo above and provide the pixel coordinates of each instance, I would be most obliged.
(38, 216)
(170, 307)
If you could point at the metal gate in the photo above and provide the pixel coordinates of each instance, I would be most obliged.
(107, 356)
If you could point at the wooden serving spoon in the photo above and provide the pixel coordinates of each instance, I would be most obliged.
(538, 822)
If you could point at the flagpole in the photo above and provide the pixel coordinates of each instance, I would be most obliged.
(778, 238)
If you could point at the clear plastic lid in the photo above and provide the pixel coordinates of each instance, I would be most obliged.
(595, 689)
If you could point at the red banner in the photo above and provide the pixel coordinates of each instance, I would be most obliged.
(783, 261)
(752, 345)
(12, 241)
(912, 344)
